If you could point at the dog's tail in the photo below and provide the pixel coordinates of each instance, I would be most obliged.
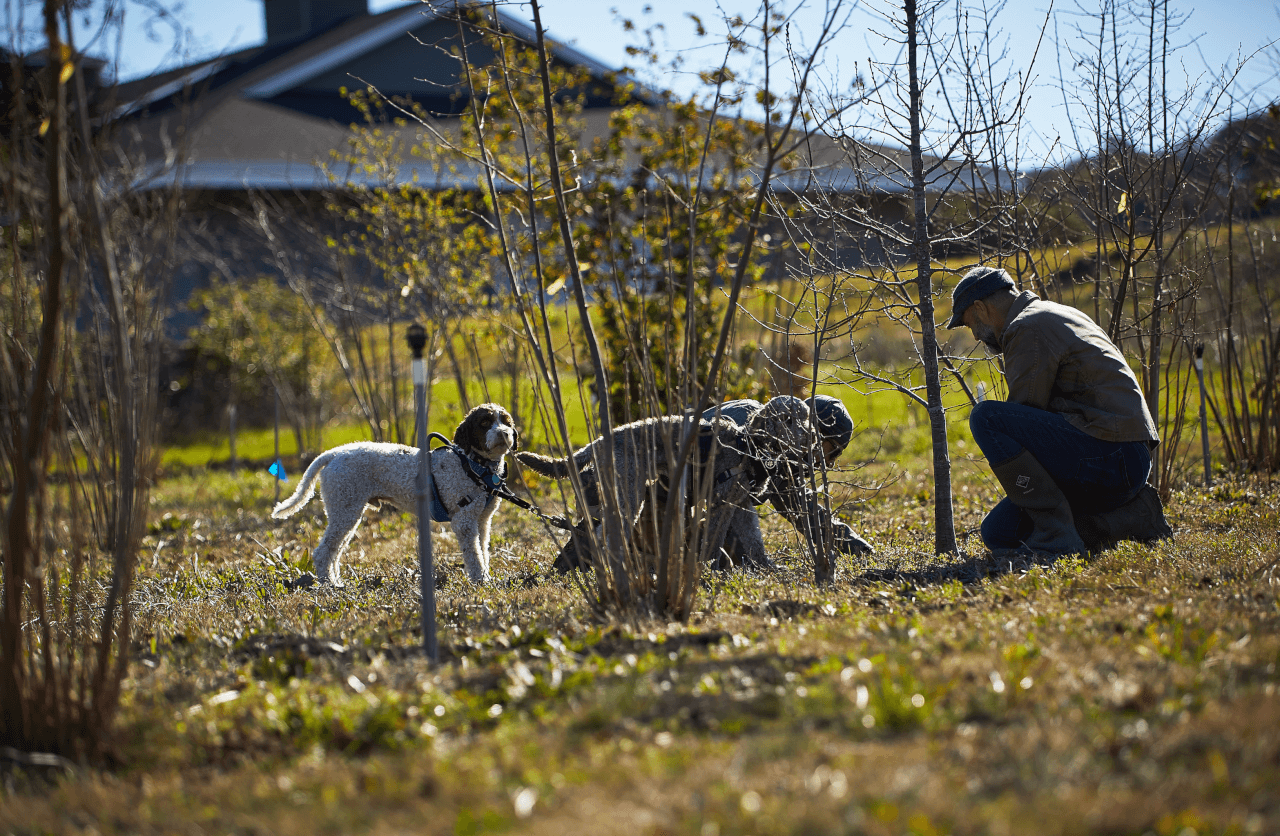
(555, 468)
(544, 465)
(305, 490)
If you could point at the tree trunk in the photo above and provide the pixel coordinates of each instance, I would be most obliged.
(617, 541)
(943, 517)
(33, 428)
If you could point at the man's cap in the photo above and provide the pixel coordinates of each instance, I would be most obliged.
(834, 423)
(978, 283)
(787, 406)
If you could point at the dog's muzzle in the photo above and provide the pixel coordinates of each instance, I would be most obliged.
(501, 436)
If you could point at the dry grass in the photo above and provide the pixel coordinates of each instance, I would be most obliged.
(1134, 692)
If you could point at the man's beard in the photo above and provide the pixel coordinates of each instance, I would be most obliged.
(986, 335)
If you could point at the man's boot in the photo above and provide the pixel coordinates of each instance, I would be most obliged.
(1140, 519)
(1032, 489)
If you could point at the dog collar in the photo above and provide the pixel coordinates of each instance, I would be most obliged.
(489, 474)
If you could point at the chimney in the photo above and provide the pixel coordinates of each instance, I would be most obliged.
(291, 19)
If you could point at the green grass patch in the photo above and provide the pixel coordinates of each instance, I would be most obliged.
(1129, 692)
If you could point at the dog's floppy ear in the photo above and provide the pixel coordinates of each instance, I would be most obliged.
(469, 436)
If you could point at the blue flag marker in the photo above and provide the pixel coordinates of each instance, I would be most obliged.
(277, 470)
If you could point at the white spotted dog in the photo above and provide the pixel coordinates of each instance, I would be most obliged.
(364, 472)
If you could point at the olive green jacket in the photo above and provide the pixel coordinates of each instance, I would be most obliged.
(1056, 358)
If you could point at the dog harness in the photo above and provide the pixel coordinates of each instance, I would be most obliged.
(491, 481)
(707, 438)
(438, 512)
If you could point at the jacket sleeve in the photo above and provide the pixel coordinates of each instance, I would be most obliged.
(1030, 365)
(804, 509)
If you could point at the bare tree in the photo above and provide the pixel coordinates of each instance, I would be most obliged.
(933, 178)
(1239, 317)
(80, 378)
(1147, 176)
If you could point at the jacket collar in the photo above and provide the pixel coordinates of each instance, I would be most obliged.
(1019, 305)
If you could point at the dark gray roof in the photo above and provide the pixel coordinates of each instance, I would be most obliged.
(271, 116)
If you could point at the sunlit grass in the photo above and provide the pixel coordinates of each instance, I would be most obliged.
(1129, 692)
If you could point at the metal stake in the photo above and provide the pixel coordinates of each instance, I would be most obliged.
(1204, 420)
(231, 420)
(417, 338)
(276, 460)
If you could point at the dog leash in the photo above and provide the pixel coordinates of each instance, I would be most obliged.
(494, 484)
(557, 521)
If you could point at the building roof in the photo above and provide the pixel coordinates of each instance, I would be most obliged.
(270, 116)
(273, 117)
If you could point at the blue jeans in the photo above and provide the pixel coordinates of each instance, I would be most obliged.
(1094, 475)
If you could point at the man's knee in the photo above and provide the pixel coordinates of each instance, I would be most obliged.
(982, 412)
(988, 424)
(980, 419)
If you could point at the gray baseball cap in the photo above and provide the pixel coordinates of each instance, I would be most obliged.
(834, 422)
(978, 283)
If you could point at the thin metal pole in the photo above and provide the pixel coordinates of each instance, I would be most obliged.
(231, 420)
(276, 460)
(1204, 420)
(426, 561)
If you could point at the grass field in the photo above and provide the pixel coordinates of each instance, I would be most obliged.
(1130, 692)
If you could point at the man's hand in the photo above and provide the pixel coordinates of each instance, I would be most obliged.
(847, 542)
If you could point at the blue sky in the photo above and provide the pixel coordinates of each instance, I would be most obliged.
(1213, 34)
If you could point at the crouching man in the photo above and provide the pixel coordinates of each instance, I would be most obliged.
(1072, 445)
(789, 490)
(779, 425)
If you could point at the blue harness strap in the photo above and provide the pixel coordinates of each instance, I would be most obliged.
(439, 513)
(483, 476)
